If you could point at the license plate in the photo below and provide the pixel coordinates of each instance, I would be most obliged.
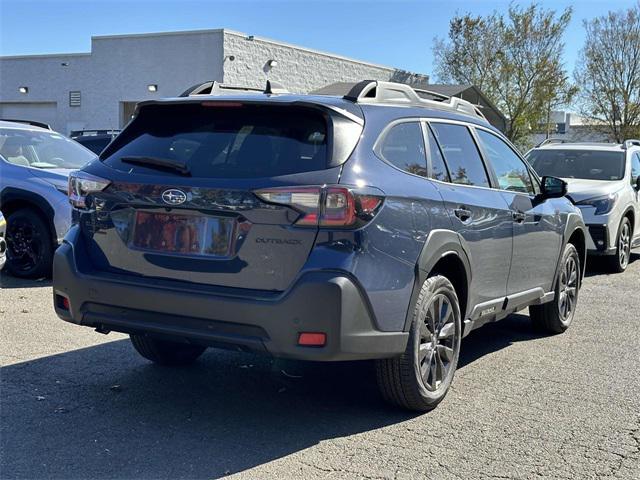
(182, 234)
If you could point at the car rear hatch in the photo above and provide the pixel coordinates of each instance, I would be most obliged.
(213, 192)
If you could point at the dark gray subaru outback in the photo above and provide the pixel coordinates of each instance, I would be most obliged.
(383, 224)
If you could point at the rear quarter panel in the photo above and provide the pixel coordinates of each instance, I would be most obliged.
(384, 254)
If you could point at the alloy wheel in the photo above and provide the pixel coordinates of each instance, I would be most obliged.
(438, 339)
(568, 289)
(624, 245)
(24, 245)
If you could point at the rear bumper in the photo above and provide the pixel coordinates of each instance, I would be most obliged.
(320, 301)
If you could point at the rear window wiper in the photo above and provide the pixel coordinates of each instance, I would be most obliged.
(167, 163)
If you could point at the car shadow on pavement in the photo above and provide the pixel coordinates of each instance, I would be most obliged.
(8, 281)
(103, 412)
(598, 265)
(496, 336)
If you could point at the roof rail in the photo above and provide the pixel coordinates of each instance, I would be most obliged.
(632, 142)
(28, 122)
(378, 92)
(217, 88)
(548, 141)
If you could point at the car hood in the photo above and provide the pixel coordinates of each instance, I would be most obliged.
(579, 189)
(58, 177)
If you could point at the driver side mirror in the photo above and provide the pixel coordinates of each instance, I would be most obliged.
(638, 183)
(553, 187)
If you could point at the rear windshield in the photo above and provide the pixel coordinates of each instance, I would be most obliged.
(225, 140)
(584, 164)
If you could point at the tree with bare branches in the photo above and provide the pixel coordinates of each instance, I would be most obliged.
(515, 59)
(608, 72)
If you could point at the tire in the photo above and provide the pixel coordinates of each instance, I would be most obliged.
(420, 378)
(164, 352)
(29, 245)
(619, 262)
(556, 316)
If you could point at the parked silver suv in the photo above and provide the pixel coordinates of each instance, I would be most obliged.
(604, 181)
(34, 166)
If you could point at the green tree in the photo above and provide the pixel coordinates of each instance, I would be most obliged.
(515, 59)
(608, 71)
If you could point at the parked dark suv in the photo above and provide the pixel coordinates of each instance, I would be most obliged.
(386, 224)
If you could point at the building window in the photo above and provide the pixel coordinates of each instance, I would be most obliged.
(74, 98)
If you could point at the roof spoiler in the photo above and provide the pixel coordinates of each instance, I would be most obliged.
(632, 142)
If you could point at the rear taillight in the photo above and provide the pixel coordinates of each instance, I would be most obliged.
(82, 184)
(330, 206)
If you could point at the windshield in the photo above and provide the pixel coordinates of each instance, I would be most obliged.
(583, 164)
(229, 141)
(39, 149)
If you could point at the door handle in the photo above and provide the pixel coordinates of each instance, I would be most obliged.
(518, 216)
(462, 213)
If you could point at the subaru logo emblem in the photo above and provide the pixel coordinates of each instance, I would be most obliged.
(174, 197)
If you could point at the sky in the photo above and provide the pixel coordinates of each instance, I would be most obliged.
(396, 33)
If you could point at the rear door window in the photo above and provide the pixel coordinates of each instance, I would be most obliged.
(226, 140)
(461, 154)
(403, 147)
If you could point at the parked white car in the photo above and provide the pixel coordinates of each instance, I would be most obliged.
(604, 181)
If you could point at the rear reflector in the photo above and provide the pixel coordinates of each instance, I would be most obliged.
(312, 339)
(63, 302)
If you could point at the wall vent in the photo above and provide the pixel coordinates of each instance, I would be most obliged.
(74, 98)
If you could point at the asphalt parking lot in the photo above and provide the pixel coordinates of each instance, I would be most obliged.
(76, 404)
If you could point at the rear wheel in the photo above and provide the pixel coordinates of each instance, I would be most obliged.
(557, 315)
(164, 352)
(619, 262)
(29, 245)
(420, 378)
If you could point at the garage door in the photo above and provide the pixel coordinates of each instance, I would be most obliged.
(37, 111)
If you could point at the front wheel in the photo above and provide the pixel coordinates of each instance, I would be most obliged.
(29, 245)
(164, 352)
(420, 378)
(619, 262)
(557, 315)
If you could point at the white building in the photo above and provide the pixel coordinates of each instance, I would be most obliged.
(98, 90)
(571, 127)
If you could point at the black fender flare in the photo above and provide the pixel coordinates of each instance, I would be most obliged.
(439, 244)
(13, 194)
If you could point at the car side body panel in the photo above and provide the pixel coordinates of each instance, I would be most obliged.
(538, 236)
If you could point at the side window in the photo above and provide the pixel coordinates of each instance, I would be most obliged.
(403, 146)
(512, 172)
(635, 168)
(461, 154)
(438, 167)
